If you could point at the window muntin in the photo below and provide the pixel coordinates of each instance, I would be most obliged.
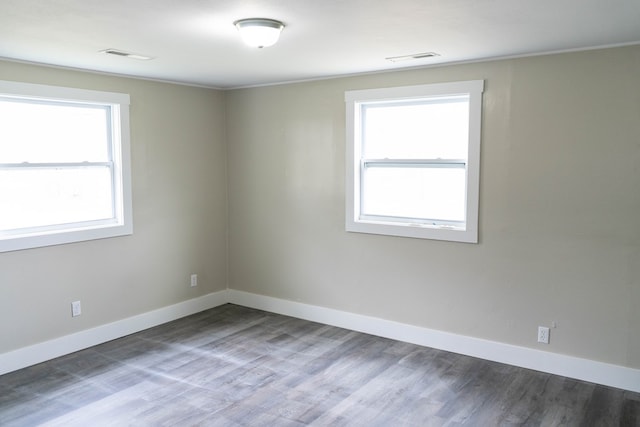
(64, 165)
(413, 160)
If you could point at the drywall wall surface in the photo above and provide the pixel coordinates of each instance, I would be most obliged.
(179, 216)
(559, 207)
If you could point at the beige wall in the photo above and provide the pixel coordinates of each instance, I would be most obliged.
(559, 207)
(179, 210)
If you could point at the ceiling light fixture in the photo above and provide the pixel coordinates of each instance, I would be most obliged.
(259, 32)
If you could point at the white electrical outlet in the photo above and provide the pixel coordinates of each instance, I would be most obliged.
(76, 309)
(543, 334)
(194, 280)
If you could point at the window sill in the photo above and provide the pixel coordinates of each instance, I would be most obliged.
(414, 230)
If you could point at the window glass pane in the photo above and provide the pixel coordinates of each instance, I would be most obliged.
(36, 197)
(430, 129)
(414, 192)
(53, 132)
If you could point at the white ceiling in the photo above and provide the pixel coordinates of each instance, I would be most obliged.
(195, 42)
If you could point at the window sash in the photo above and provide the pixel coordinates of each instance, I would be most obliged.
(78, 144)
(76, 224)
(409, 133)
(403, 164)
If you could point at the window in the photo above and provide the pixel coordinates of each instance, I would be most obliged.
(413, 161)
(64, 165)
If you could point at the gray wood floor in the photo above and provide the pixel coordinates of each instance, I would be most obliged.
(234, 366)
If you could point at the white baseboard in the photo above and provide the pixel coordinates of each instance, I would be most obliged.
(553, 363)
(41, 352)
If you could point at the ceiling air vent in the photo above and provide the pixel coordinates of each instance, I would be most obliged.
(126, 54)
(411, 57)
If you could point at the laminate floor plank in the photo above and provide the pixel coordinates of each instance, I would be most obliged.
(232, 366)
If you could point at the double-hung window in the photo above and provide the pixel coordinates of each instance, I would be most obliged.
(64, 165)
(413, 161)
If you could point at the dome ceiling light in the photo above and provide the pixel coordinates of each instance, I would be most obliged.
(259, 32)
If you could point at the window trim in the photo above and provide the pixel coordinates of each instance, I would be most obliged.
(122, 223)
(355, 221)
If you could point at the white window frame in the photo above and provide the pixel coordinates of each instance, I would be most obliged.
(356, 221)
(121, 223)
